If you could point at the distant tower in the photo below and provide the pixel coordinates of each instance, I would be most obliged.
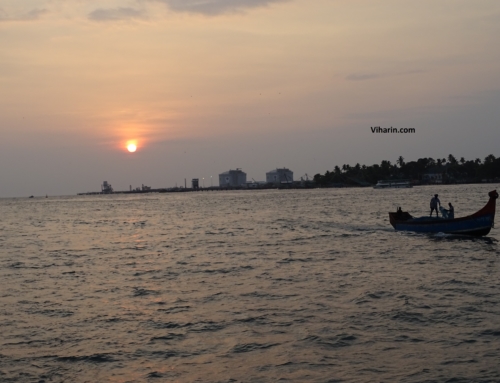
(106, 188)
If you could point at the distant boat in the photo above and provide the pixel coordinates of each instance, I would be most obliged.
(389, 184)
(30, 196)
(477, 224)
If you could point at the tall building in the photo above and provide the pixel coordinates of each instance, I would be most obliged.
(106, 188)
(278, 176)
(232, 178)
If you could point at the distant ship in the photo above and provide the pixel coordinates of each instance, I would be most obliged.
(393, 184)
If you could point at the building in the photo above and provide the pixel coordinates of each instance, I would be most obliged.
(233, 178)
(278, 176)
(434, 175)
(106, 188)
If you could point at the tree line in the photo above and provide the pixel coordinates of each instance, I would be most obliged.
(452, 170)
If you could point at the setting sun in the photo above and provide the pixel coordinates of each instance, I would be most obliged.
(131, 148)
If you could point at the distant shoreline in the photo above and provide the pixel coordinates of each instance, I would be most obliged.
(273, 187)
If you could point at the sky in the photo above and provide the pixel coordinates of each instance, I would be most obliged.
(204, 86)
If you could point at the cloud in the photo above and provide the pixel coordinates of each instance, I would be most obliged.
(215, 7)
(372, 76)
(115, 14)
(34, 14)
(363, 76)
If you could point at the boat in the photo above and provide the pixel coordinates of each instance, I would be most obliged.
(390, 184)
(477, 224)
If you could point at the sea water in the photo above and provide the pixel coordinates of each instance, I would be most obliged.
(246, 286)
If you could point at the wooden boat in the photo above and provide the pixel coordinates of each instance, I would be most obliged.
(477, 224)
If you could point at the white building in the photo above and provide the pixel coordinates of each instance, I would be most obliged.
(278, 176)
(232, 178)
(435, 175)
(433, 178)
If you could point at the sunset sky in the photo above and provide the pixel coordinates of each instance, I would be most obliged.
(204, 86)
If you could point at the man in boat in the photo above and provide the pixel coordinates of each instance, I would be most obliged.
(451, 211)
(434, 204)
(447, 214)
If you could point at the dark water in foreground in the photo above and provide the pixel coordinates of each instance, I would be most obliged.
(262, 286)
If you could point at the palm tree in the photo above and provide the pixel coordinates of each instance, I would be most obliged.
(345, 168)
(386, 167)
(385, 163)
(401, 161)
(489, 159)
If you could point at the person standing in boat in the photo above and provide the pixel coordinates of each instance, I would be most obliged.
(434, 204)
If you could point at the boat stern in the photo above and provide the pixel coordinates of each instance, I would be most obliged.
(399, 217)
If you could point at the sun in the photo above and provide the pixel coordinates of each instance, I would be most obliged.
(131, 148)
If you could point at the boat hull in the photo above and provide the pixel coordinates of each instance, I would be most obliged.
(392, 186)
(477, 226)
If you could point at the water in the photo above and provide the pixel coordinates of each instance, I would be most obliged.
(257, 286)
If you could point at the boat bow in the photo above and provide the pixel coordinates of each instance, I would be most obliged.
(490, 207)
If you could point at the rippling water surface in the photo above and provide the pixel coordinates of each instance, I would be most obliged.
(246, 286)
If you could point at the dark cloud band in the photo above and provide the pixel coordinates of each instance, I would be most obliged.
(29, 16)
(215, 7)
